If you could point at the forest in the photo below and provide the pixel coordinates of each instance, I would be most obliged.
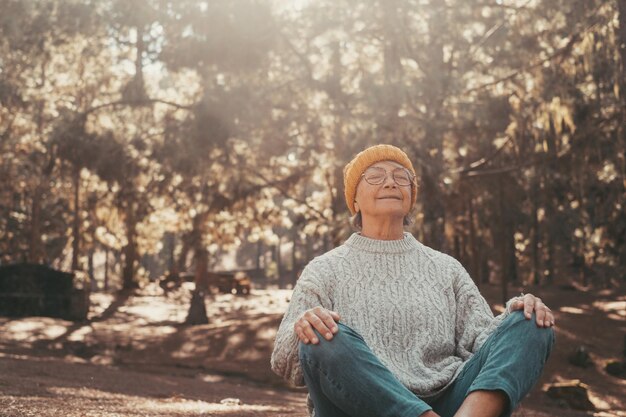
(131, 128)
(147, 139)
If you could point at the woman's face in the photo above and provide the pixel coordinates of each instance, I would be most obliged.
(387, 199)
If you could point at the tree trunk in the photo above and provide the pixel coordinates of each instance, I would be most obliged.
(139, 58)
(308, 250)
(201, 256)
(580, 261)
(484, 266)
(337, 201)
(502, 238)
(457, 246)
(511, 257)
(342, 152)
(621, 42)
(279, 264)
(92, 279)
(35, 252)
(474, 252)
(106, 269)
(76, 223)
(184, 252)
(552, 221)
(130, 250)
(260, 262)
(197, 309)
(170, 242)
(392, 71)
(437, 76)
(550, 240)
(259, 253)
(434, 212)
(294, 258)
(201, 273)
(535, 273)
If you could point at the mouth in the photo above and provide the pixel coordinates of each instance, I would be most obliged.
(390, 198)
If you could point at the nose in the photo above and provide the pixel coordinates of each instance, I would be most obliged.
(389, 181)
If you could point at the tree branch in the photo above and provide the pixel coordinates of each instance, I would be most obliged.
(284, 192)
(121, 103)
(482, 161)
(575, 37)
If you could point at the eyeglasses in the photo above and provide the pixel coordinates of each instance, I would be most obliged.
(377, 176)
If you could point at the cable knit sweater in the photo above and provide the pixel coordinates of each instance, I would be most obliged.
(417, 309)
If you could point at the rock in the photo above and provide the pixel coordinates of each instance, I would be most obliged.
(580, 357)
(231, 401)
(573, 393)
(101, 360)
(616, 368)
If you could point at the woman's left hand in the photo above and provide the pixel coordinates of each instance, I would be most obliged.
(530, 303)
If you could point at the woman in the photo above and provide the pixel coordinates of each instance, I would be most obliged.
(386, 326)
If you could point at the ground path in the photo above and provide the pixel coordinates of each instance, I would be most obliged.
(134, 358)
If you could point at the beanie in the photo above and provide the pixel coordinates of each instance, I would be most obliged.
(354, 169)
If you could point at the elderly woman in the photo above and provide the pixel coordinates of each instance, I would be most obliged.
(386, 326)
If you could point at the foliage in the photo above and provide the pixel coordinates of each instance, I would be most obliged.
(222, 123)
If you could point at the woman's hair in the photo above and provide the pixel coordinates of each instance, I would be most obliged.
(356, 221)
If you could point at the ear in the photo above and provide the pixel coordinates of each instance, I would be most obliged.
(356, 206)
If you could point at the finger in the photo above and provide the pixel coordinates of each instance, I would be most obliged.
(517, 305)
(335, 315)
(329, 321)
(300, 334)
(548, 319)
(529, 305)
(541, 310)
(319, 325)
(308, 332)
(540, 314)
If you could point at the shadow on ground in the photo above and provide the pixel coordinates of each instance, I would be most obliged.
(133, 357)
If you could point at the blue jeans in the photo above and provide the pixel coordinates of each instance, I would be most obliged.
(345, 379)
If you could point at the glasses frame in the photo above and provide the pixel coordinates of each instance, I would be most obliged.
(411, 176)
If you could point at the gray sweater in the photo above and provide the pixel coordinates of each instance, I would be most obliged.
(417, 309)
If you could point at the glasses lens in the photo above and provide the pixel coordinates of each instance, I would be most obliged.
(375, 176)
(402, 177)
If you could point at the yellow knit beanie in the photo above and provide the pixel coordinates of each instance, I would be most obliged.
(354, 169)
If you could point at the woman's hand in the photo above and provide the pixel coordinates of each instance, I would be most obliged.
(320, 319)
(530, 303)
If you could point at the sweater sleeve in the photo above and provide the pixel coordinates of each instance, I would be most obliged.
(474, 319)
(310, 291)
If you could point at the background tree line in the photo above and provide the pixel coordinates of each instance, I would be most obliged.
(183, 128)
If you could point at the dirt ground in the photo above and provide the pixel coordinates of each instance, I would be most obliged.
(134, 358)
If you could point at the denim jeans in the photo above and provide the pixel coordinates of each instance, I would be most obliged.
(346, 379)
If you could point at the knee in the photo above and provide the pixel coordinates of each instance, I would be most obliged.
(328, 351)
(526, 331)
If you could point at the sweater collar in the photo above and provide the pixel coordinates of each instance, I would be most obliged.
(406, 244)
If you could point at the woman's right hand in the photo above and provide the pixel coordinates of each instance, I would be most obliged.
(320, 319)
